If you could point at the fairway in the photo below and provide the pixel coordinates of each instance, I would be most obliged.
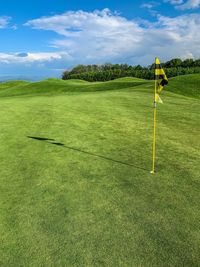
(76, 188)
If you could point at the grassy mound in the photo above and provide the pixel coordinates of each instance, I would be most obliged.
(11, 84)
(188, 85)
(57, 86)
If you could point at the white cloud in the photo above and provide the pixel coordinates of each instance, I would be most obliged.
(27, 58)
(180, 4)
(102, 36)
(150, 5)
(99, 35)
(174, 2)
(44, 63)
(147, 5)
(190, 4)
(174, 37)
(4, 21)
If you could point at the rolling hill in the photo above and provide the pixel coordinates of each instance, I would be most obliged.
(188, 85)
(57, 86)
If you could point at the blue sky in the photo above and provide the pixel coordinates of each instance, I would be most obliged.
(47, 36)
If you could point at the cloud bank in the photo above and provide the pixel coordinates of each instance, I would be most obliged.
(103, 36)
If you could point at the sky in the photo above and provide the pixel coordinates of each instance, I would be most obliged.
(46, 37)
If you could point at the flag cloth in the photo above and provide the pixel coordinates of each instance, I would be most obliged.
(161, 80)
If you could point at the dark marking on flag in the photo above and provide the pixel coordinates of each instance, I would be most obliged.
(160, 77)
(158, 66)
(164, 82)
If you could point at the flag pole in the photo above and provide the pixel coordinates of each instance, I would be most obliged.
(154, 127)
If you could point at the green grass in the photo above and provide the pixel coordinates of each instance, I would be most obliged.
(188, 85)
(92, 201)
(55, 86)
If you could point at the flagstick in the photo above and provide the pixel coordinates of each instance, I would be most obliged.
(154, 131)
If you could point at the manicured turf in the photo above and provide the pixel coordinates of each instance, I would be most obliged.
(76, 188)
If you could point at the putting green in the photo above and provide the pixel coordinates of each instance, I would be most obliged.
(76, 188)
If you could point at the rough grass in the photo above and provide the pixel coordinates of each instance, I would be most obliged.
(75, 183)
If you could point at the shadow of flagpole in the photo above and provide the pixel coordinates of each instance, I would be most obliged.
(52, 142)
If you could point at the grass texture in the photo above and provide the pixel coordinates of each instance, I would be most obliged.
(76, 188)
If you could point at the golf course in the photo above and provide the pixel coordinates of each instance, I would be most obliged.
(75, 181)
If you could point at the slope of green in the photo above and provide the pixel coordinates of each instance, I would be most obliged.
(75, 182)
(56, 86)
(188, 85)
(11, 84)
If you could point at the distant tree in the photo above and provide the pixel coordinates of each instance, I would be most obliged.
(187, 63)
(174, 63)
(66, 75)
(196, 63)
(110, 71)
(79, 69)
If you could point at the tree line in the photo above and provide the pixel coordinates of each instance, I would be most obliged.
(106, 72)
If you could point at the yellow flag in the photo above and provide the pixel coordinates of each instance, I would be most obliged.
(161, 80)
